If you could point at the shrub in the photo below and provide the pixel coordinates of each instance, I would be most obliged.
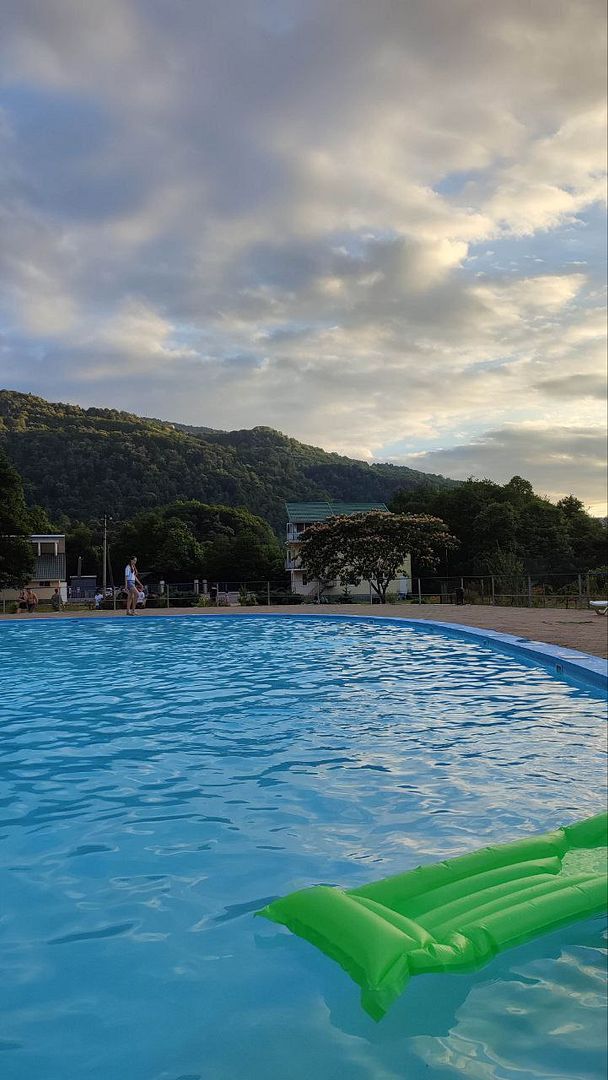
(278, 596)
(247, 598)
(184, 601)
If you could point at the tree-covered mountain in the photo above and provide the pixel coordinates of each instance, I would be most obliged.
(83, 463)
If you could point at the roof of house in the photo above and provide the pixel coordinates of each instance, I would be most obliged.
(318, 511)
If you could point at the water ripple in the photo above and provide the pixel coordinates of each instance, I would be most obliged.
(161, 779)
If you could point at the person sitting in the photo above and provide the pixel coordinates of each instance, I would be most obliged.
(141, 599)
(98, 599)
(57, 600)
(22, 601)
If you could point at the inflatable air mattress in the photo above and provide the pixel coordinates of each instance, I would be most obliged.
(452, 916)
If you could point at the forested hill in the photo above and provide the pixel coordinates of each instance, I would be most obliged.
(87, 462)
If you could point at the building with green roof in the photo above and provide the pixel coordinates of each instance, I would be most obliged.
(302, 514)
(307, 513)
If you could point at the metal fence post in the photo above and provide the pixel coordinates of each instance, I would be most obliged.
(493, 589)
(268, 592)
(529, 591)
(167, 595)
(419, 592)
(580, 590)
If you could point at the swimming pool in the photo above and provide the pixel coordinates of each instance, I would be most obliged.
(162, 778)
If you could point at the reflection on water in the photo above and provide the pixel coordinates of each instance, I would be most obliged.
(544, 1016)
(162, 779)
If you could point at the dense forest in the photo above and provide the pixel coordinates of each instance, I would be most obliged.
(508, 529)
(83, 463)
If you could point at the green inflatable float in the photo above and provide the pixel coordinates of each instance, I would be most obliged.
(453, 915)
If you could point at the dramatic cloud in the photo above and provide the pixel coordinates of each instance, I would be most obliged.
(376, 227)
(556, 459)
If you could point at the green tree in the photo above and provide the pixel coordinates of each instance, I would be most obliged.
(165, 547)
(83, 541)
(39, 521)
(372, 547)
(16, 555)
(518, 491)
(189, 539)
(243, 557)
(494, 528)
(507, 570)
(586, 534)
(460, 508)
(543, 537)
(487, 517)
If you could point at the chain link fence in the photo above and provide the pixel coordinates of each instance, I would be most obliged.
(185, 594)
(548, 590)
(556, 590)
(573, 590)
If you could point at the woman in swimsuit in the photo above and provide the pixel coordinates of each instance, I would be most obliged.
(132, 585)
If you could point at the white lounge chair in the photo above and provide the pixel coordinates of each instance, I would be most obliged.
(599, 606)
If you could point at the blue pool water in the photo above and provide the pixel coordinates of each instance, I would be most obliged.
(161, 779)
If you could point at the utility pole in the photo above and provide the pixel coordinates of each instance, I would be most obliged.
(105, 555)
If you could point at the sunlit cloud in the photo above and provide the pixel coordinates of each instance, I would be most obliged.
(378, 230)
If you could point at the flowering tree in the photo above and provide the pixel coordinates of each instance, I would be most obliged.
(372, 546)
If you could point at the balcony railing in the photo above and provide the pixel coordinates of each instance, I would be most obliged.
(294, 533)
(49, 568)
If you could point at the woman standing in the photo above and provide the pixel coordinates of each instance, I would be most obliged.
(132, 584)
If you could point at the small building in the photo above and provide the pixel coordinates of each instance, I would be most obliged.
(83, 586)
(301, 515)
(49, 567)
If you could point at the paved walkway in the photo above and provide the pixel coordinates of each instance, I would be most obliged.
(582, 630)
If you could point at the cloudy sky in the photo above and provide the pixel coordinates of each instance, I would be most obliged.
(377, 227)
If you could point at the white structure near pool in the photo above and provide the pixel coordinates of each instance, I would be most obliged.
(301, 515)
(49, 567)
